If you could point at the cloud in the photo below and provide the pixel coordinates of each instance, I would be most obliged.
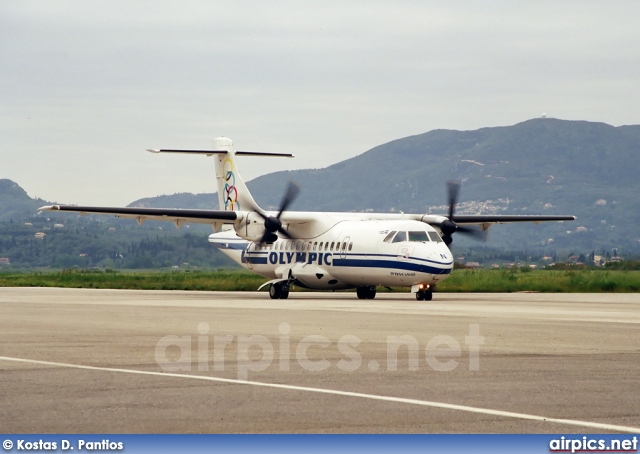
(87, 86)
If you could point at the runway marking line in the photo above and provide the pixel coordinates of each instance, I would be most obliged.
(401, 400)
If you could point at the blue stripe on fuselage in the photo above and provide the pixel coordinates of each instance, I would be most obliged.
(400, 265)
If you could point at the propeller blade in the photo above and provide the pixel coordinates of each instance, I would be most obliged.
(272, 224)
(473, 232)
(292, 192)
(454, 191)
(285, 233)
(448, 227)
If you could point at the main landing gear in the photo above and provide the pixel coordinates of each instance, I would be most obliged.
(279, 290)
(366, 293)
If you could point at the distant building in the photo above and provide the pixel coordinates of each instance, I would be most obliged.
(5, 261)
(40, 235)
(473, 265)
(58, 226)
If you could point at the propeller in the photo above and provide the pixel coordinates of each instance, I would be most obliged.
(273, 224)
(449, 226)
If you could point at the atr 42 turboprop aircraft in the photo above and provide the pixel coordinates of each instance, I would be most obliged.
(321, 250)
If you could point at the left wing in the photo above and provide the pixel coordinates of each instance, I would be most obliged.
(485, 220)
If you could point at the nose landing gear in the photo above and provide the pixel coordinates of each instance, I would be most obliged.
(424, 293)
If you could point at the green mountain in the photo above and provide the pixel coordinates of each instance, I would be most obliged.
(568, 164)
(180, 200)
(540, 166)
(15, 203)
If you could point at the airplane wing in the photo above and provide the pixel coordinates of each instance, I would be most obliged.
(507, 218)
(174, 215)
(484, 221)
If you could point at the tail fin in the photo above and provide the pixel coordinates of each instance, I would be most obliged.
(233, 194)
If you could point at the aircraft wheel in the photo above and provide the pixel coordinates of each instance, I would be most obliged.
(371, 294)
(275, 291)
(366, 293)
(284, 292)
(424, 295)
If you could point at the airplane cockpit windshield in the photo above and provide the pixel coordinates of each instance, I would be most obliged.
(435, 237)
(417, 236)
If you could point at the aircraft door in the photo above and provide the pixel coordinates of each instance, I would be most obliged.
(247, 260)
(343, 247)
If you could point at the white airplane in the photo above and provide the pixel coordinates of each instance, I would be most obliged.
(321, 250)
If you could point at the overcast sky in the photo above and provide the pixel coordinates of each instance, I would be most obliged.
(87, 86)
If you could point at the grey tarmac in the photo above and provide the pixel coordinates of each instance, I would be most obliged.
(123, 361)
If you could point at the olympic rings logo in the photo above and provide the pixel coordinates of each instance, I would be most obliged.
(230, 190)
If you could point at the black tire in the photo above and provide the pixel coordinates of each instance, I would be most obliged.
(362, 292)
(420, 295)
(371, 293)
(284, 292)
(275, 291)
(428, 295)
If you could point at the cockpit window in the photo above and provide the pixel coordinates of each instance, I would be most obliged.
(387, 239)
(401, 236)
(435, 237)
(418, 236)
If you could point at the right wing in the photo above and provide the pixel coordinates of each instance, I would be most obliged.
(174, 215)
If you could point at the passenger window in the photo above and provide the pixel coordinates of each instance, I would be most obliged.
(401, 236)
(344, 246)
(350, 246)
(387, 239)
(435, 237)
(332, 244)
(320, 248)
(315, 245)
(418, 236)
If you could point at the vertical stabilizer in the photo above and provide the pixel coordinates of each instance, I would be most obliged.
(233, 194)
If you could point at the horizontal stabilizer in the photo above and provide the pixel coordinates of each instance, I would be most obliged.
(212, 152)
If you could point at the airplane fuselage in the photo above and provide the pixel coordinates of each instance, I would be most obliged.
(349, 254)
